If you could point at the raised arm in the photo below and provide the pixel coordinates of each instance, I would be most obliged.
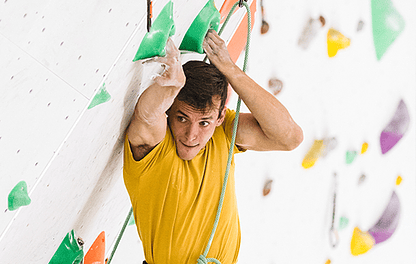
(148, 124)
(269, 126)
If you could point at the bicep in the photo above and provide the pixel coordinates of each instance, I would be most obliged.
(250, 136)
(144, 136)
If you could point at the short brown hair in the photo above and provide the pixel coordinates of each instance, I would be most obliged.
(203, 82)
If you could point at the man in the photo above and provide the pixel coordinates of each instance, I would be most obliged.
(176, 153)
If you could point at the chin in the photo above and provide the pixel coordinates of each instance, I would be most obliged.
(187, 156)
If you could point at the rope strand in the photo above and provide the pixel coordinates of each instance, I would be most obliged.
(120, 235)
(202, 259)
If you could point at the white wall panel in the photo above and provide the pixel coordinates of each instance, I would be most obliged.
(37, 110)
(82, 187)
(77, 40)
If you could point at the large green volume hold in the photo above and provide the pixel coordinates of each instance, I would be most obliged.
(208, 18)
(154, 42)
(387, 25)
(70, 251)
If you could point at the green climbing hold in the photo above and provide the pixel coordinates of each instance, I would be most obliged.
(350, 156)
(208, 18)
(70, 251)
(387, 25)
(131, 221)
(154, 42)
(101, 97)
(18, 197)
(343, 222)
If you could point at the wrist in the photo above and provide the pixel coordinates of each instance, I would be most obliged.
(232, 72)
(229, 70)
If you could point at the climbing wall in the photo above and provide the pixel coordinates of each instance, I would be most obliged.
(343, 78)
(68, 87)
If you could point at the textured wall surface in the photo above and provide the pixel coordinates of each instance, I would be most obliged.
(68, 87)
(58, 58)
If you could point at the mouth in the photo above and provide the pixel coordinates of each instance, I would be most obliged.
(189, 146)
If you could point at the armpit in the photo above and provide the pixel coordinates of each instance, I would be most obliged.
(141, 151)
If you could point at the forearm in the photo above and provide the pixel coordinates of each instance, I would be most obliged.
(158, 97)
(154, 102)
(273, 118)
(270, 126)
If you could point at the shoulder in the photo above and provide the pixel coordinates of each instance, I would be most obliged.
(228, 126)
(136, 156)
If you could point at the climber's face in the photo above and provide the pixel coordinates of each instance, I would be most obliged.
(193, 128)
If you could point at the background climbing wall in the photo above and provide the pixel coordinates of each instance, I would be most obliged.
(352, 97)
(68, 88)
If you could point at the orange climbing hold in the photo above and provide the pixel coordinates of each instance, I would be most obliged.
(336, 41)
(96, 253)
(328, 261)
(361, 242)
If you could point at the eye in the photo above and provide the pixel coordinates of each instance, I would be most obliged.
(204, 123)
(181, 119)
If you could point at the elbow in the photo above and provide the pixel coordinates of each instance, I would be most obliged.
(295, 139)
(298, 138)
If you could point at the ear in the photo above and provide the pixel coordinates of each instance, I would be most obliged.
(222, 116)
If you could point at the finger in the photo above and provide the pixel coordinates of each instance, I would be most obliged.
(156, 59)
(148, 61)
(215, 49)
(212, 34)
(171, 49)
(207, 47)
(211, 43)
(162, 60)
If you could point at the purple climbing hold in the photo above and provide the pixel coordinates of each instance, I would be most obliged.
(395, 130)
(388, 221)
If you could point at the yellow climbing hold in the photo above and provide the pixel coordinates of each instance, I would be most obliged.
(361, 242)
(336, 41)
(364, 148)
(328, 261)
(399, 180)
(313, 154)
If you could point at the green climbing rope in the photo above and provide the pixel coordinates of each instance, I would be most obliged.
(120, 235)
(202, 259)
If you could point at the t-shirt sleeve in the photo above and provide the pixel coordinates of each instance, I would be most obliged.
(133, 168)
(228, 128)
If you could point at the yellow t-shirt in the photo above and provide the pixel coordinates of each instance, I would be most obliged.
(175, 201)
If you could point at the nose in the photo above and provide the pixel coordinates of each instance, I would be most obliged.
(191, 132)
